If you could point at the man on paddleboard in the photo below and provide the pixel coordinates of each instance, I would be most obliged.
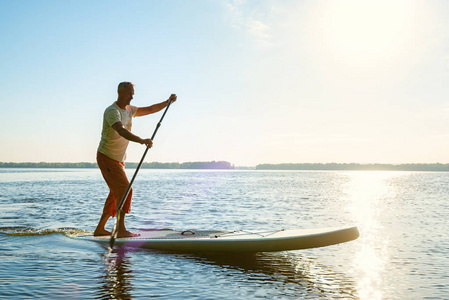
(111, 154)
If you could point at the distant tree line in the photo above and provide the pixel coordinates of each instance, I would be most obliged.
(355, 167)
(150, 165)
(228, 166)
(47, 165)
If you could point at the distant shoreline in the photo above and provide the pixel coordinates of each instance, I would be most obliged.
(219, 165)
(436, 167)
(224, 165)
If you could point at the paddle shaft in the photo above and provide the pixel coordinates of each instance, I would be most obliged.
(128, 189)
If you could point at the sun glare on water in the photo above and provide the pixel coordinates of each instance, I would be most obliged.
(367, 192)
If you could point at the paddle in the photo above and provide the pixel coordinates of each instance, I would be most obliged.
(128, 189)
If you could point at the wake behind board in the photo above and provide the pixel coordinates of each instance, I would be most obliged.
(232, 241)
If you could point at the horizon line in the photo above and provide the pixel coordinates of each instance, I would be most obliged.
(217, 161)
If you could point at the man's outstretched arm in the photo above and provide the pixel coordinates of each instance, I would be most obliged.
(143, 111)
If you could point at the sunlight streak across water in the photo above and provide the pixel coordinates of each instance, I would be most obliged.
(366, 193)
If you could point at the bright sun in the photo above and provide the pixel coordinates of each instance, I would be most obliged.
(359, 31)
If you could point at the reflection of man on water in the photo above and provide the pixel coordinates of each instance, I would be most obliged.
(115, 136)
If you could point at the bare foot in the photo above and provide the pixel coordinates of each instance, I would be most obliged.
(100, 232)
(126, 233)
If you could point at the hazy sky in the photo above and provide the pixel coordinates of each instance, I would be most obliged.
(257, 81)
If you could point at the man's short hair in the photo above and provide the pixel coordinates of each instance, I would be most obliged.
(124, 85)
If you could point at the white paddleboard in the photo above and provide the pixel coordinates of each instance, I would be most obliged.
(232, 241)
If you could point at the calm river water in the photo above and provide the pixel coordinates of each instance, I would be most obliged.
(402, 252)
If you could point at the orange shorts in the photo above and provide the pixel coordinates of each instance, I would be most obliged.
(114, 174)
